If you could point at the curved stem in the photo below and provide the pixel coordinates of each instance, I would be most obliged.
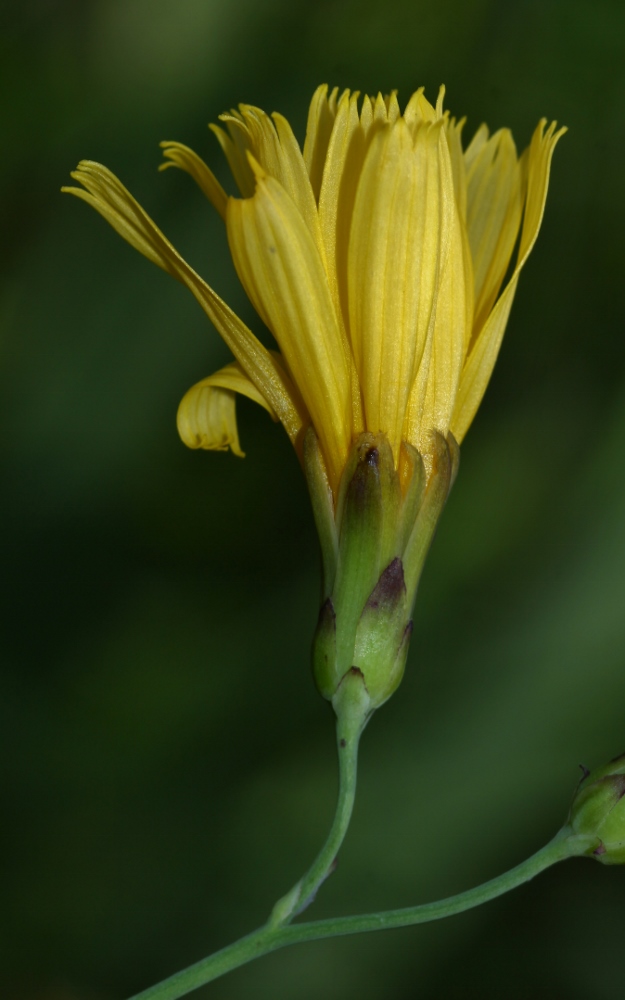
(272, 937)
(347, 740)
(352, 707)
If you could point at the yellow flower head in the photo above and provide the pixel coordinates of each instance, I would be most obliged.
(375, 256)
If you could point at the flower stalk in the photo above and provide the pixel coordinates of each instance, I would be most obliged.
(352, 706)
(270, 938)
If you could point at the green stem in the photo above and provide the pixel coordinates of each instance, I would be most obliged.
(351, 705)
(348, 733)
(272, 937)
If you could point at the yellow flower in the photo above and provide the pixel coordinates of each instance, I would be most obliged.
(375, 256)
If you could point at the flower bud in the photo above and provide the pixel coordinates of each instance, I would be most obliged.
(374, 541)
(598, 808)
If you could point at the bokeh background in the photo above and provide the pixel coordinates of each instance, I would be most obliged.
(167, 766)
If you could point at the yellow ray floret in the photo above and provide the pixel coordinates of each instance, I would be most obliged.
(399, 243)
(206, 415)
(282, 272)
(109, 197)
(486, 341)
(375, 255)
(177, 155)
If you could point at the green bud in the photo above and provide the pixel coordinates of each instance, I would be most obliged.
(598, 809)
(374, 540)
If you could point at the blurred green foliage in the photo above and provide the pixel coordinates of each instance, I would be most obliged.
(167, 766)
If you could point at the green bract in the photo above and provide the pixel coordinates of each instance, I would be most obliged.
(373, 546)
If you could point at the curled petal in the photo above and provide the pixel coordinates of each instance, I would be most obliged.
(207, 419)
(206, 415)
(185, 159)
(104, 192)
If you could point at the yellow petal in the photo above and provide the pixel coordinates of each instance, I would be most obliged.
(234, 378)
(494, 207)
(453, 131)
(475, 146)
(235, 145)
(321, 117)
(280, 266)
(399, 238)
(351, 137)
(480, 363)
(206, 415)
(419, 109)
(344, 159)
(348, 142)
(539, 163)
(207, 419)
(380, 113)
(294, 177)
(181, 156)
(366, 113)
(392, 107)
(481, 360)
(433, 395)
(272, 144)
(439, 102)
(104, 192)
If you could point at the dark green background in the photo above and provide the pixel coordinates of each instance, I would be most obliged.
(167, 766)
